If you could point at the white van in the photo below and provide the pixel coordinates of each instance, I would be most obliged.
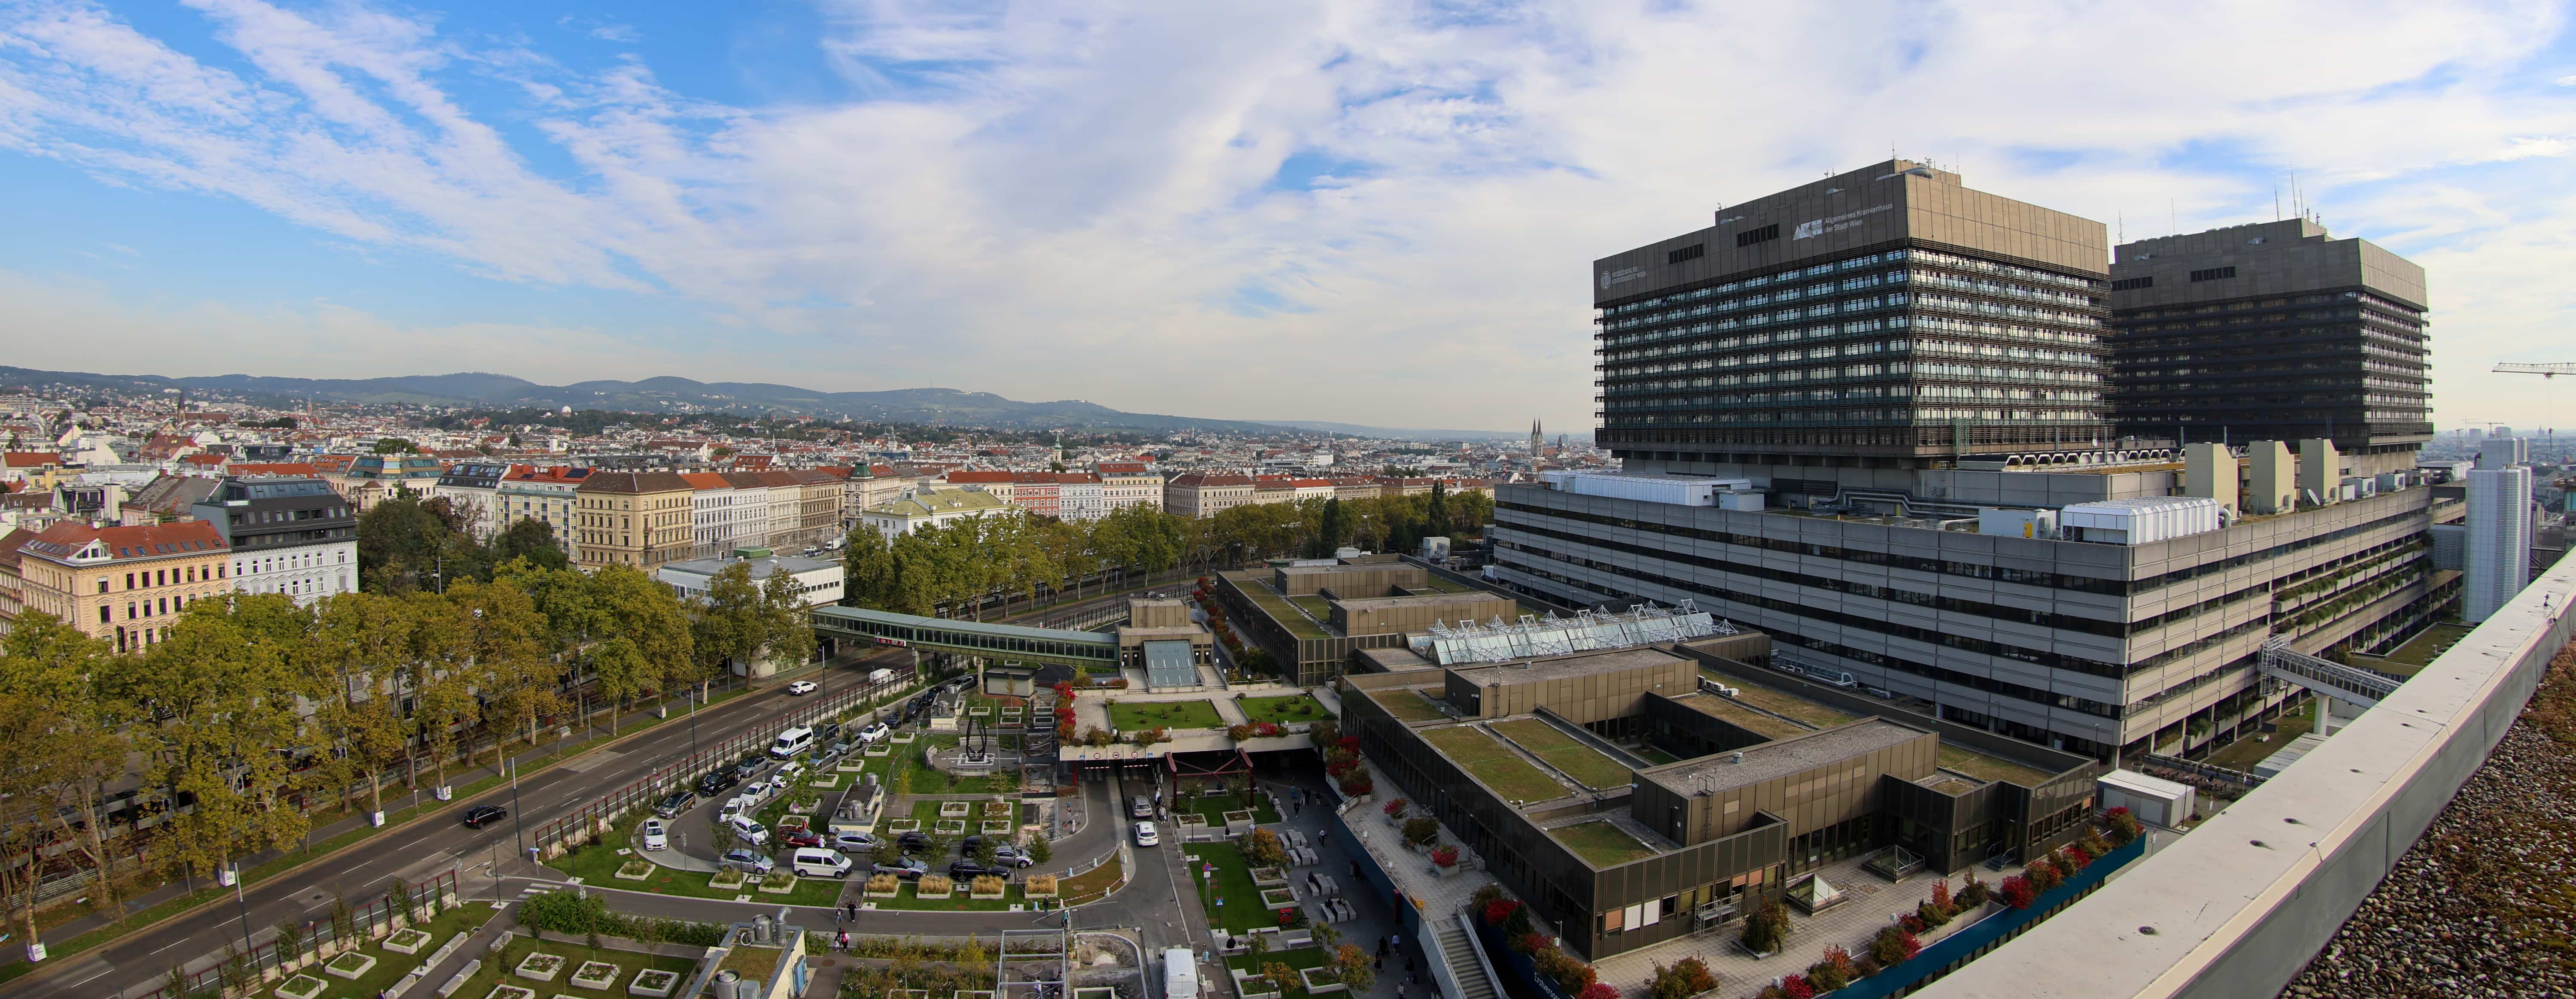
(791, 742)
(876, 676)
(1180, 974)
(816, 862)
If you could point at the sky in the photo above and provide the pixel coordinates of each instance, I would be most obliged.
(1371, 212)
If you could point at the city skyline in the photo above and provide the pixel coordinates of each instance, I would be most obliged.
(1046, 205)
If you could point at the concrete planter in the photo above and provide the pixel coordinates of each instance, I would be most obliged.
(1316, 987)
(595, 975)
(778, 884)
(407, 941)
(653, 984)
(539, 966)
(300, 987)
(351, 965)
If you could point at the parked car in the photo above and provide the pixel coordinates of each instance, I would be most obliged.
(679, 801)
(482, 815)
(657, 836)
(1146, 836)
(750, 765)
(874, 734)
(967, 845)
(799, 837)
(747, 861)
(715, 783)
(1140, 807)
(802, 687)
(812, 862)
(827, 732)
(908, 868)
(971, 869)
(913, 841)
(748, 831)
(854, 842)
(735, 807)
(1010, 856)
(759, 791)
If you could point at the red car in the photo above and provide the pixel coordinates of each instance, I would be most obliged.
(800, 837)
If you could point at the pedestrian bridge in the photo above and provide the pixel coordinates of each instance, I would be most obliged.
(1007, 642)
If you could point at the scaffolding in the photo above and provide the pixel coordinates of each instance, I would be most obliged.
(1532, 636)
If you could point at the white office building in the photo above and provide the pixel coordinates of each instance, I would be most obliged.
(2497, 560)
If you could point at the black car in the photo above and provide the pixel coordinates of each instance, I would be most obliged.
(912, 841)
(715, 783)
(908, 868)
(482, 815)
(971, 869)
(827, 732)
(678, 802)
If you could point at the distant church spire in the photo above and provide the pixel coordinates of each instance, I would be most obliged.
(1538, 440)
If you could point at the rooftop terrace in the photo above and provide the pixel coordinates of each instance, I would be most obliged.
(1563, 667)
(1477, 751)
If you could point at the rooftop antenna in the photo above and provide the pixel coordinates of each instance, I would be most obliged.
(2276, 201)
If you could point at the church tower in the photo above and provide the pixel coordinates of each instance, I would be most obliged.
(1538, 441)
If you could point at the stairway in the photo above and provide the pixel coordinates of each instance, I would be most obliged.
(1458, 953)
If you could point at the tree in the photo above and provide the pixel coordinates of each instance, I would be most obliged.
(1280, 976)
(517, 679)
(725, 623)
(59, 669)
(786, 629)
(395, 445)
(867, 567)
(362, 641)
(1767, 930)
(1685, 978)
(436, 674)
(1351, 965)
(228, 696)
(531, 539)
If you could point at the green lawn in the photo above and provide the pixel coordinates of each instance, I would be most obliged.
(1214, 807)
(1779, 703)
(391, 966)
(1743, 717)
(1600, 843)
(907, 774)
(1132, 716)
(1277, 608)
(1478, 752)
(1092, 885)
(2418, 651)
(497, 972)
(1986, 767)
(1242, 909)
(1561, 751)
(1408, 704)
(1314, 605)
(1300, 958)
(596, 865)
(1282, 710)
(2244, 753)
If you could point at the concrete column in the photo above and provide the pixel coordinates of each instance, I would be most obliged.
(2325, 715)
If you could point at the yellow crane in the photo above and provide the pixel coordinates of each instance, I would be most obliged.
(2543, 370)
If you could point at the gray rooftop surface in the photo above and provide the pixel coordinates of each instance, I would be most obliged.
(1561, 667)
(1421, 600)
(1783, 757)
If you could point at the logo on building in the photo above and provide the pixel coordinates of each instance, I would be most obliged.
(1621, 276)
(1846, 220)
(1810, 230)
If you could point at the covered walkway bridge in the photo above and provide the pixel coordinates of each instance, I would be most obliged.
(1005, 643)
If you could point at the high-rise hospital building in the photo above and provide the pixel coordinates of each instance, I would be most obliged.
(1871, 416)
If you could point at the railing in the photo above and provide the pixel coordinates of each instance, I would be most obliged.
(2325, 676)
(371, 920)
(591, 818)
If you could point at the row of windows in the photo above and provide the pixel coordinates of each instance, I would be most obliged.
(1918, 416)
(1730, 287)
(1973, 570)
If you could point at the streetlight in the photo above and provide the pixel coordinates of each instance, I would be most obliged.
(518, 822)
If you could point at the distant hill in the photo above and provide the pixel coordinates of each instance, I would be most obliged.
(930, 406)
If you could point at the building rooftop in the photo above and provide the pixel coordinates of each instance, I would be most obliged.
(761, 568)
(1562, 667)
(1743, 717)
(1781, 758)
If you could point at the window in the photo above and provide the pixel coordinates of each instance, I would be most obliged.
(2213, 274)
(104, 615)
(1691, 252)
(1752, 236)
(2127, 284)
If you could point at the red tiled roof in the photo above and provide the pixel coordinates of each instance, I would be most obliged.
(272, 468)
(187, 537)
(31, 459)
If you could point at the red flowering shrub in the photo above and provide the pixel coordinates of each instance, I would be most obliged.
(2018, 893)
(1597, 990)
(1796, 987)
(1396, 807)
(2076, 858)
(1913, 923)
(1358, 784)
(1501, 909)
(1446, 856)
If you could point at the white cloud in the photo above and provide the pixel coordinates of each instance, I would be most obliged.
(1054, 200)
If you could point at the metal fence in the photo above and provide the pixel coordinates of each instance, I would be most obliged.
(368, 921)
(598, 815)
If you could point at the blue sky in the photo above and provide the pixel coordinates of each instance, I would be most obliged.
(1379, 211)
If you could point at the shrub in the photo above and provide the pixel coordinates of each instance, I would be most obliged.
(1395, 807)
(1913, 923)
(1151, 736)
(1093, 736)
(1835, 971)
(2043, 873)
(2018, 893)
(1933, 916)
(1766, 929)
(1894, 946)
(1597, 990)
(1238, 733)
(1569, 974)
(1266, 729)
(1040, 850)
(1357, 784)
(1941, 896)
(564, 912)
(878, 883)
(1823, 978)
(1421, 831)
(1446, 856)
(1485, 897)
(934, 884)
(1771, 992)
(1351, 964)
(987, 884)
(2075, 858)
(2092, 842)
(1796, 987)
(1262, 848)
(1531, 943)
(1973, 893)
(2124, 825)
(1686, 978)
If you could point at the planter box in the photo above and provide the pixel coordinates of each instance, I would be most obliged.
(851, 766)
(994, 897)
(826, 780)
(896, 893)
(510, 992)
(407, 941)
(997, 827)
(726, 881)
(653, 984)
(902, 738)
(918, 893)
(956, 809)
(1029, 889)
(300, 987)
(903, 825)
(350, 965)
(1279, 898)
(1269, 877)
(787, 822)
(595, 975)
(877, 751)
(635, 870)
(1316, 987)
(951, 827)
(539, 966)
(1252, 986)
(778, 884)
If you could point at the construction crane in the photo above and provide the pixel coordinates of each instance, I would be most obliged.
(2543, 370)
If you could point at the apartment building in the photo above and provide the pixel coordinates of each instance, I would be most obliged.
(473, 490)
(1039, 493)
(786, 507)
(370, 479)
(1198, 495)
(751, 508)
(1002, 485)
(933, 506)
(870, 485)
(293, 536)
(124, 584)
(1081, 496)
(1129, 483)
(639, 519)
(711, 515)
(545, 493)
(2497, 555)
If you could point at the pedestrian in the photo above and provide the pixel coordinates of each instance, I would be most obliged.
(1381, 946)
(1399, 941)
(1379, 963)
